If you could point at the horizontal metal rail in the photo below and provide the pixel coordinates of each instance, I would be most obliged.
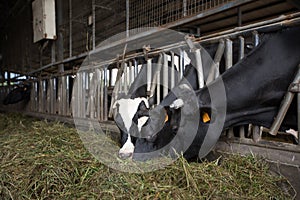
(284, 20)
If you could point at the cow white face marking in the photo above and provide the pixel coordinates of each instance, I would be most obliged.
(127, 109)
(141, 122)
(128, 148)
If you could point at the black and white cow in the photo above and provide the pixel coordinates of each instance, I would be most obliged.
(254, 89)
(20, 93)
(131, 111)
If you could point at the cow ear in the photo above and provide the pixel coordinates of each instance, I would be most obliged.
(178, 103)
(143, 106)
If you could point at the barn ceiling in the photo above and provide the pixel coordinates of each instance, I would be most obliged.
(9, 8)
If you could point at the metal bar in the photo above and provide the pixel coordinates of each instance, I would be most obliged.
(241, 56)
(181, 64)
(199, 68)
(127, 18)
(228, 54)
(130, 72)
(105, 94)
(172, 69)
(283, 20)
(284, 107)
(184, 5)
(255, 38)
(239, 17)
(214, 69)
(102, 95)
(94, 23)
(70, 28)
(149, 74)
(158, 88)
(242, 47)
(155, 79)
(165, 76)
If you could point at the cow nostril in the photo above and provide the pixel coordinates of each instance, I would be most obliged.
(175, 128)
(125, 155)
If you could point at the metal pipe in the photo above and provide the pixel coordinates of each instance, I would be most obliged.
(149, 74)
(239, 16)
(255, 38)
(158, 88)
(184, 5)
(136, 68)
(105, 110)
(127, 17)
(284, 20)
(199, 68)
(284, 107)
(165, 76)
(242, 47)
(156, 76)
(94, 23)
(172, 69)
(130, 72)
(228, 54)
(181, 64)
(214, 69)
(241, 56)
(70, 28)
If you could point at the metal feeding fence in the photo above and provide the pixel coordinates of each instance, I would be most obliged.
(154, 13)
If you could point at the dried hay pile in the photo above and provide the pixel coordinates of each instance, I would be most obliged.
(46, 160)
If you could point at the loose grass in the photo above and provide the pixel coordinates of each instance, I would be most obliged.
(47, 160)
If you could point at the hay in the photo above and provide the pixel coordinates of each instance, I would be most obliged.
(46, 160)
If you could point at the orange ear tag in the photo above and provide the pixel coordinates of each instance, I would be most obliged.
(166, 118)
(205, 117)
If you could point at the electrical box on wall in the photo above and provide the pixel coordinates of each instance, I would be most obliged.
(43, 20)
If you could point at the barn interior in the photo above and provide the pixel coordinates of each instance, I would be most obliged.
(44, 43)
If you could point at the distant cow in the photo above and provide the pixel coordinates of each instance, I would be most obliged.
(20, 93)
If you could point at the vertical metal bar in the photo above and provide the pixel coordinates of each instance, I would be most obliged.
(135, 68)
(239, 16)
(60, 39)
(199, 68)
(125, 84)
(97, 95)
(228, 52)
(41, 96)
(156, 77)
(256, 38)
(158, 88)
(172, 70)
(48, 95)
(181, 64)
(70, 28)
(127, 17)
(149, 74)
(228, 64)
(102, 95)
(105, 109)
(214, 70)
(242, 47)
(165, 76)
(241, 56)
(130, 72)
(53, 46)
(94, 23)
(184, 8)
(256, 43)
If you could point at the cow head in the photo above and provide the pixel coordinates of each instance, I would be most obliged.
(161, 130)
(131, 116)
